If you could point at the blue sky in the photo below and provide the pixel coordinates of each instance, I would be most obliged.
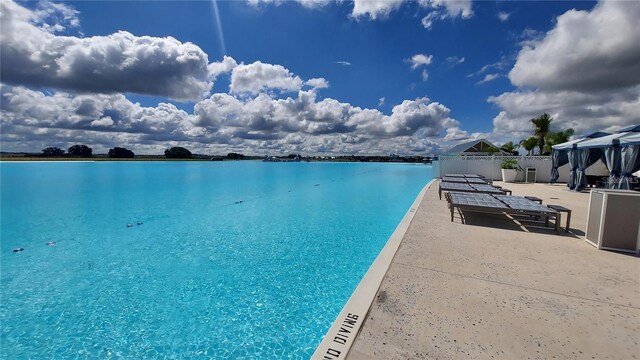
(410, 77)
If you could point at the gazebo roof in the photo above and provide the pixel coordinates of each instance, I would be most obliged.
(624, 137)
(569, 144)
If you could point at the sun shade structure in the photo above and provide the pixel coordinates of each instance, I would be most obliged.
(621, 152)
(560, 156)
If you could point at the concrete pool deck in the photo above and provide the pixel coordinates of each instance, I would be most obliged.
(492, 288)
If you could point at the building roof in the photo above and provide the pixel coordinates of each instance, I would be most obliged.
(474, 147)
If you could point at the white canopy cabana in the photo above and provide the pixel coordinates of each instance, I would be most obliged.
(569, 144)
(560, 156)
(622, 154)
(620, 151)
(619, 138)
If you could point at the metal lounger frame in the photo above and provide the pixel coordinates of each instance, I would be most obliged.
(464, 176)
(440, 190)
(551, 214)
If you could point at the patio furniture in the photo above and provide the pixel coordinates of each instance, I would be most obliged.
(560, 208)
(536, 199)
(454, 179)
(475, 202)
(501, 204)
(453, 186)
(463, 175)
(464, 180)
(523, 206)
(475, 181)
(488, 189)
(465, 187)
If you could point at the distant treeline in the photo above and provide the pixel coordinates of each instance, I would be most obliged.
(177, 152)
(365, 158)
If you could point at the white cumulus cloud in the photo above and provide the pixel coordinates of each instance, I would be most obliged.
(454, 60)
(121, 62)
(382, 9)
(444, 9)
(259, 77)
(420, 60)
(86, 79)
(585, 72)
(222, 67)
(374, 9)
(317, 83)
(311, 4)
(115, 113)
(221, 122)
(488, 78)
(503, 16)
(586, 50)
(452, 8)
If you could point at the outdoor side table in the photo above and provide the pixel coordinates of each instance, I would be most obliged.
(560, 208)
(534, 198)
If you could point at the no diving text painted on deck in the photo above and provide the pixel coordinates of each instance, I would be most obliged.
(345, 332)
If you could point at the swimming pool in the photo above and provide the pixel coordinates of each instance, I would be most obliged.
(230, 260)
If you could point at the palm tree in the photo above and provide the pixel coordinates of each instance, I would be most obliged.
(542, 125)
(510, 147)
(563, 136)
(556, 138)
(529, 144)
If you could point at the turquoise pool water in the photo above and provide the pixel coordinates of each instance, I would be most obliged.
(202, 276)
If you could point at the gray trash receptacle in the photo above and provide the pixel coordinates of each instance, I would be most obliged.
(530, 175)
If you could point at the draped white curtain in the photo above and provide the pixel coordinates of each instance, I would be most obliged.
(573, 165)
(628, 160)
(612, 157)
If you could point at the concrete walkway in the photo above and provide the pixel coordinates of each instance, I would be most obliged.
(492, 288)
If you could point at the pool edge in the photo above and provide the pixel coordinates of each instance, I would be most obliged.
(340, 337)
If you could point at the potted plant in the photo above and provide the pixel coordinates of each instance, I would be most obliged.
(510, 169)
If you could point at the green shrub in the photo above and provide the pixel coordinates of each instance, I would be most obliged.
(510, 164)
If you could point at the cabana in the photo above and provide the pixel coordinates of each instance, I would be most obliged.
(621, 152)
(560, 157)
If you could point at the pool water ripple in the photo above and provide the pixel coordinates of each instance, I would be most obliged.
(231, 260)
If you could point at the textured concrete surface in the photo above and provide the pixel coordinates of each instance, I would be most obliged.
(338, 340)
(503, 288)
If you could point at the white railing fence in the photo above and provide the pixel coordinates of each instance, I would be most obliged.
(489, 166)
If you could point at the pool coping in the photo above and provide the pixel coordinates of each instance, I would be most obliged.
(339, 339)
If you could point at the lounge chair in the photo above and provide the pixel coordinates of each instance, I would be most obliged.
(463, 175)
(501, 204)
(453, 186)
(454, 179)
(487, 189)
(466, 187)
(476, 181)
